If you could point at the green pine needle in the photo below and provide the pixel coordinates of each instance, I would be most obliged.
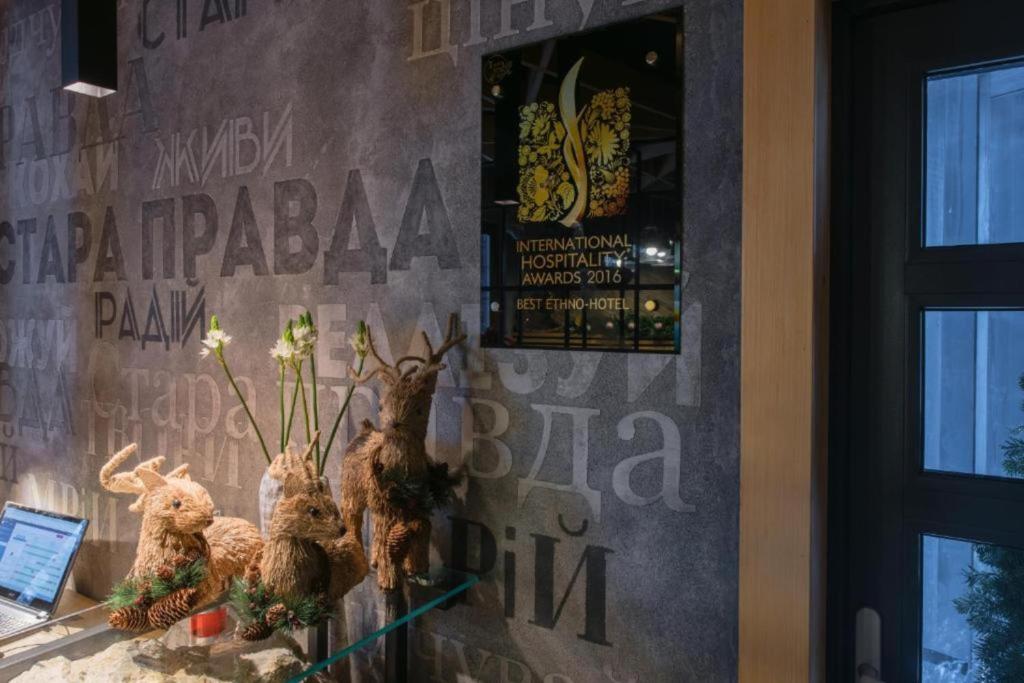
(307, 610)
(123, 594)
(420, 496)
(126, 592)
(239, 598)
(993, 602)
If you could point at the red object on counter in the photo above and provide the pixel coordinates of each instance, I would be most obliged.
(208, 624)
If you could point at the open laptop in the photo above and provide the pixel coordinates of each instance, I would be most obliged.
(37, 550)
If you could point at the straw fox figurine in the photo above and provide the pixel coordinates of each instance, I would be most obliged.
(178, 529)
(387, 469)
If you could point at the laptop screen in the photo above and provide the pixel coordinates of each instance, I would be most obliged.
(36, 552)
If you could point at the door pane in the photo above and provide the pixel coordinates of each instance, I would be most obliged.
(973, 368)
(974, 166)
(972, 620)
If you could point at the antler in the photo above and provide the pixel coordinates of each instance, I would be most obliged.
(180, 472)
(387, 371)
(453, 338)
(433, 358)
(122, 482)
(129, 482)
(296, 472)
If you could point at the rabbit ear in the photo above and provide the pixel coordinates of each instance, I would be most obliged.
(150, 479)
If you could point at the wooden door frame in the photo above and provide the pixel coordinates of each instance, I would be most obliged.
(784, 340)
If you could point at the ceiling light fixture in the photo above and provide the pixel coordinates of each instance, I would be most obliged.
(88, 46)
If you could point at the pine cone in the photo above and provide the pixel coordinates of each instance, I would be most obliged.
(180, 561)
(398, 540)
(165, 573)
(257, 630)
(276, 614)
(173, 608)
(129, 619)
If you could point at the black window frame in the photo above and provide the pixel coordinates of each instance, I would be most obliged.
(883, 278)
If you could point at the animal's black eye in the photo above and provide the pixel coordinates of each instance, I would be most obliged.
(175, 503)
(313, 512)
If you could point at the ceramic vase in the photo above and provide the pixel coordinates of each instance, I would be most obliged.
(271, 491)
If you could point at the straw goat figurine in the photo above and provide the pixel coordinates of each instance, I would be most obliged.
(178, 526)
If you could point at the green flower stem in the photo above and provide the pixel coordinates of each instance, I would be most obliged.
(305, 408)
(341, 413)
(291, 416)
(316, 409)
(241, 397)
(281, 402)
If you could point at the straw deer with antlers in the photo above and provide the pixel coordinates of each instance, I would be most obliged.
(387, 469)
(178, 526)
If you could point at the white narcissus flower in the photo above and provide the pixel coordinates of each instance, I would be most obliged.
(360, 340)
(305, 341)
(216, 339)
(283, 351)
(305, 335)
(358, 344)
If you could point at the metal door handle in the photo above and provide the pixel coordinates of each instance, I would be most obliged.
(868, 674)
(868, 646)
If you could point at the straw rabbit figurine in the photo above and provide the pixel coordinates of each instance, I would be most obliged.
(388, 470)
(178, 527)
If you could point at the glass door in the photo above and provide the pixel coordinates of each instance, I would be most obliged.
(927, 453)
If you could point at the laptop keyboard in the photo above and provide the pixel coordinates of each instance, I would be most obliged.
(11, 621)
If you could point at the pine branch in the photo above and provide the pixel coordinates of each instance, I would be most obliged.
(993, 599)
(152, 587)
(122, 595)
(258, 604)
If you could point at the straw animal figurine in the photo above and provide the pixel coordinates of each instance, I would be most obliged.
(388, 471)
(185, 556)
(308, 562)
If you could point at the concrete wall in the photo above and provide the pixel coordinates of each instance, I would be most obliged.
(179, 193)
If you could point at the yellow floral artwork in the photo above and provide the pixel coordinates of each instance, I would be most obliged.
(574, 164)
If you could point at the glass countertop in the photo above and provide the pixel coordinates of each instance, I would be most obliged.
(204, 647)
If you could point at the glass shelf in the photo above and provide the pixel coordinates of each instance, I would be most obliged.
(83, 643)
(397, 610)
